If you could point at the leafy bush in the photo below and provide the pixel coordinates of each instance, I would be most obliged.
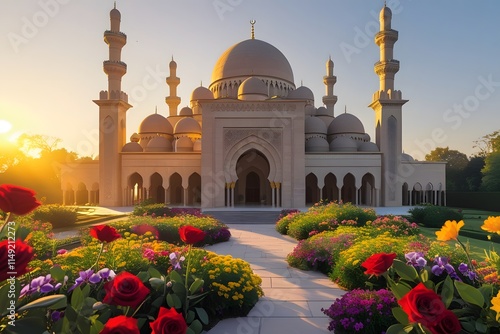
(284, 221)
(57, 215)
(154, 209)
(320, 252)
(328, 217)
(434, 216)
(396, 225)
(348, 272)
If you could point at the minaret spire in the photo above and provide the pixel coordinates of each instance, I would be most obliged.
(329, 80)
(173, 81)
(114, 67)
(252, 34)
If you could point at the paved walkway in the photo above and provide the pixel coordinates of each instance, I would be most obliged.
(292, 299)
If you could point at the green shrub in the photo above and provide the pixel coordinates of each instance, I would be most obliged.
(434, 216)
(348, 272)
(320, 252)
(284, 221)
(321, 218)
(57, 215)
(152, 209)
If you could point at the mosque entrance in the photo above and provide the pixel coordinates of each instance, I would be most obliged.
(253, 187)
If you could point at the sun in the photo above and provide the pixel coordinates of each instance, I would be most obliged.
(5, 126)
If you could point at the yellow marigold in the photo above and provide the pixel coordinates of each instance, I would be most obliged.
(211, 277)
(227, 270)
(193, 270)
(492, 224)
(226, 296)
(495, 305)
(450, 230)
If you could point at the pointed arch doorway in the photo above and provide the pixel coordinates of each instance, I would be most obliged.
(253, 187)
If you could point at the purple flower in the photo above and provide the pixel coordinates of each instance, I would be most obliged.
(106, 274)
(416, 259)
(86, 276)
(42, 284)
(175, 261)
(441, 264)
(56, 315)
(464, 269)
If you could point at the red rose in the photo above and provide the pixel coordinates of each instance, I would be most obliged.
(191, 235)
(15, 257)
(104, 233)
(169, 321)
(125, 290)
(121, 325)
(378, 263)
(448, 324)
(423, 305)
(17, 200)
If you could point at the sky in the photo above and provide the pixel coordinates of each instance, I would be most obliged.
(52, 52)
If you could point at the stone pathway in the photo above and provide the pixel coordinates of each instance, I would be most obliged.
(293, 298)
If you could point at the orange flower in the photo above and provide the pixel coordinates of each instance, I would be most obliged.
(492, 224)
(449, 230)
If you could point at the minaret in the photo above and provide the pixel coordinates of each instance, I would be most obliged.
(329, 79)
(387, 104)
(173, 81)
(113, 106)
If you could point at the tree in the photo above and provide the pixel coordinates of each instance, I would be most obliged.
(472, 173)
(489, 143)
(456, 163)
(491, 172)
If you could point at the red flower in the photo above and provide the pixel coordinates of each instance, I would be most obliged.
(424, 306)
(15, 257)
(378, 263)
(448, 324)
(121, 325)
(169, 321)
(104, 233)
(125, 290)
(191, 235)
(17, 200)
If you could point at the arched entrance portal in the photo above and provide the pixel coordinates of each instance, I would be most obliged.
(252, 186)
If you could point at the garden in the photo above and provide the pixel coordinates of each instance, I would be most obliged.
(147, 273)
(413, 274)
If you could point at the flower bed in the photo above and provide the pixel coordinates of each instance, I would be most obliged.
(122, 280)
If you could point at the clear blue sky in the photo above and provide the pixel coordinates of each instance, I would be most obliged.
(52, 53)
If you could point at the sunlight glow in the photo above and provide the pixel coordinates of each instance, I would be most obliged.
(5, 126)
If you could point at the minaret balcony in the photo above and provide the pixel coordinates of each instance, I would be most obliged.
(114, 66)
(387, 66)
(115, 37)
(386, 36)
(332, 80)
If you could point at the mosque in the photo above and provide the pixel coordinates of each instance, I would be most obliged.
(252, 138)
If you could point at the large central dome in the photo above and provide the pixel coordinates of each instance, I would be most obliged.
(252, 58)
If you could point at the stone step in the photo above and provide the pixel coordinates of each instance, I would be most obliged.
(244, 217)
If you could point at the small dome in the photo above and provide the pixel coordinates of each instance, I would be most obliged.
(316, 144)
(159, 144)
(368, 147)
(346, 123)
(314, 125)
(172, 65)
(343, 144)
(301, 93)
(132, 147)
(406, 157)
(155, 123)
(115, 14)
(187, 125)
(183, 144)
(201, 93)
(252, 88)
(135, 138)
(322, 111)
(197, 145)
(186, 111)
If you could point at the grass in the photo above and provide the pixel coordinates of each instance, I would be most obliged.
(472, 234)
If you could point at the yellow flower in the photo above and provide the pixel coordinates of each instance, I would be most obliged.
(495, 302)
(449, 230)
(492, 224)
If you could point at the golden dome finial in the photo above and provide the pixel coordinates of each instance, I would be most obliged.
(252, 22)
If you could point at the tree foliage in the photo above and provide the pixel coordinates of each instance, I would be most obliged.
(489, 143)
(491, 172)
(456, 163)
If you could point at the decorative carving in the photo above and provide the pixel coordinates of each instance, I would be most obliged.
(238, 106)
(234, 135)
